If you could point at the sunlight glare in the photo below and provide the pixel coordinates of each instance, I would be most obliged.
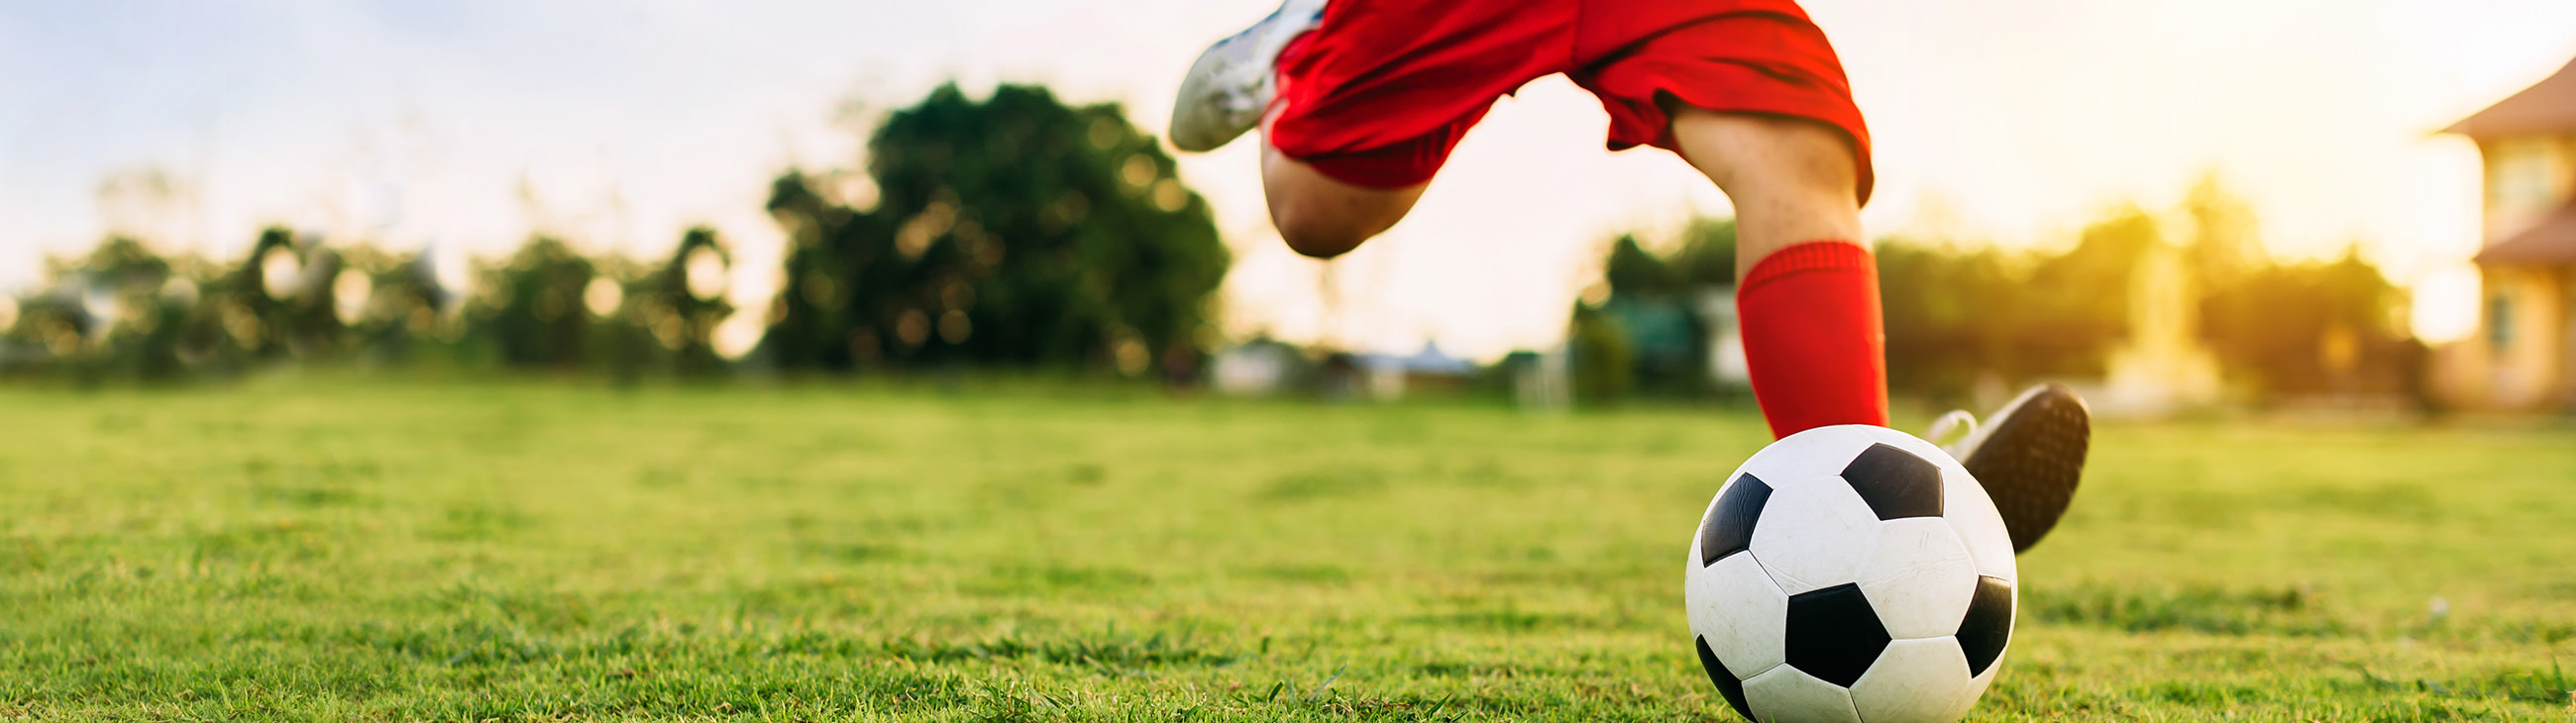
(2446, 304)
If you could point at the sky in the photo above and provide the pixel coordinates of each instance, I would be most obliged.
(462, 127)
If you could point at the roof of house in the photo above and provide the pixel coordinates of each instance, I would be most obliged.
(1428, 361)
(2552, 241)
(2546, 107)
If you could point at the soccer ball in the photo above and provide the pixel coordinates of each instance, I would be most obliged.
(1851, 573)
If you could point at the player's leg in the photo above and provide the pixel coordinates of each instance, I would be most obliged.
(1756, 99)
(1355, 113)
(1236, 84)
(1321, 216)
(1791, 180)
(1808, 298)
(1807, 288)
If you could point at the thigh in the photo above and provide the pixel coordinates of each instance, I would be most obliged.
(1791, 179)
(1322, 216)
(1383, 89)
(1749, 57)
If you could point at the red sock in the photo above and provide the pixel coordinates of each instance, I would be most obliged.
(1813, 338)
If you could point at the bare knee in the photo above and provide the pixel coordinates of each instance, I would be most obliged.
(1749, 154)
(1323, 217)
(1319, 235)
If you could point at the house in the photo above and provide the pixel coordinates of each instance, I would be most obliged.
(1723, 325)
(1540, 379)
(2521, 358)
(1391, 377)
(1261, 367)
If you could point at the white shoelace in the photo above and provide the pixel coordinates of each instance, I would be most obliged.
(1952, 422)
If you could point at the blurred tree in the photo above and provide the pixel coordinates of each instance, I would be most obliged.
(1015, 230)
(684, 301)
(2225, 241)
(1952, 316)
(127, 325)
(1653, 306)
(621, 340)
(1631, 270)
(2283, 329)
(123, 310)
(309, 315)
(533, 307)
(400, 304)
(1704, 260)
(1604, 364)
(2293, 329)
(1707, 255)
(255, 302)
(2075, 306)
(816, 321)
(1656, 305)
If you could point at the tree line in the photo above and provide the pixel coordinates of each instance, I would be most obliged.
(1959, 315)
(1013, 230)
(1019, 231)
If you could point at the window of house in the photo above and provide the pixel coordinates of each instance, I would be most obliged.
(2527, 175)
(2500, 322)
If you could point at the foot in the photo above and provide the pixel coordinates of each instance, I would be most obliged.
(2029, 456)
(1232, 83)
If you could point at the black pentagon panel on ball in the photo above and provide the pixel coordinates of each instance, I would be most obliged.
(1896, 483)
(1988, 625)
(1833, 634)
(1725, 679)
(1729, 527)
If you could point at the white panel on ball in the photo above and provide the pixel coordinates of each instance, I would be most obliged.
(1919, 578)
(1743, 616)
(1976, 690)
(1809, 454)
(1814, 534)
(1788, 695)
(1915, 681)
(1972, 514)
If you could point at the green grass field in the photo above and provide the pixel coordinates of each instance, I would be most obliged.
(338, 550)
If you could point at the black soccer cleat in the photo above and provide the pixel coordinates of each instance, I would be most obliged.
(2029, 455)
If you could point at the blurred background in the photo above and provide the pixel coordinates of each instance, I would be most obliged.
(2332, 207)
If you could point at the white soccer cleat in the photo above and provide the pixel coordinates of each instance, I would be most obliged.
(1232, 83)
(2029, 456)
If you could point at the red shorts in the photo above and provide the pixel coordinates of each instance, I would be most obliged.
(1379, 94)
